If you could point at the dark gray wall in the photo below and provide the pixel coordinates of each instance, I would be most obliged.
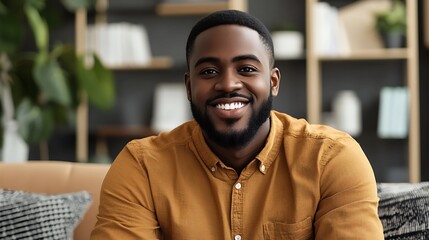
(168, 37)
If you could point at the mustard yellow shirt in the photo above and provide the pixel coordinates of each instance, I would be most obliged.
(308, 182)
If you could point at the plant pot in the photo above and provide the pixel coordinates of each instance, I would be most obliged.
(393, 39)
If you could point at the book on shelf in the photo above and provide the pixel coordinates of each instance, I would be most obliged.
(330, 33)
(171, 106)
(393, 113)
(119, 43)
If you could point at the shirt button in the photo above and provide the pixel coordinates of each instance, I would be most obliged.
(262, 168)
(238, 186)
(237, 237)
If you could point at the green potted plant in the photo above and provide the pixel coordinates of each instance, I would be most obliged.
(392, 25)
(47, 80)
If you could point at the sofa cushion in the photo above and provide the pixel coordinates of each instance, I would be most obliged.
(26, 215)
(404, 210)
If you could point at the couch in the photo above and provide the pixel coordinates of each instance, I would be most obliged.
(54, 177)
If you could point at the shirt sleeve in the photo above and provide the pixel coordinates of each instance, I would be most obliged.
(348, 207)
(126, 208)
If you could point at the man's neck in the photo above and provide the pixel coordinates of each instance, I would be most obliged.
(238, 158)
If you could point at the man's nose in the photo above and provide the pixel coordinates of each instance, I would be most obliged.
(229, 81)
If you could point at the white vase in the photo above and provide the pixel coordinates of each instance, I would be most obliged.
(347, 112)
(15, 149)
(287, 44)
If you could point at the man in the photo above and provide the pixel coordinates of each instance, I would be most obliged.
(240, 170)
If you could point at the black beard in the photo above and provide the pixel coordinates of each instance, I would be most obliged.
(236, 139)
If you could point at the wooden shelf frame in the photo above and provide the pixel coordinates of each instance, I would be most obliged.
(199, 8)
(408, 54)
(156, 63)
(370, 54)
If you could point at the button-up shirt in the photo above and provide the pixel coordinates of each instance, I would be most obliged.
(308, 182)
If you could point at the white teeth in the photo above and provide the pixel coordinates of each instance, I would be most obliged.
(230, 106)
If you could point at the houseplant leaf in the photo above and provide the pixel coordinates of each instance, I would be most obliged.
(28, 117)
(49, 76)
(67, 58)
(38, 26)
(98, 83)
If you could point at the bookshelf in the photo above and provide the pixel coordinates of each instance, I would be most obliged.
(409, 55)
(156, 63)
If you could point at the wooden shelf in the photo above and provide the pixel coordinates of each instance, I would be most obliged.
(200, 8)
(370, 54)
(110, 131)
(155, 64)
(124, 131)
(189, 8)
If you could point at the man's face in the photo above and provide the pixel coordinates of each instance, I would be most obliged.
(230, 84)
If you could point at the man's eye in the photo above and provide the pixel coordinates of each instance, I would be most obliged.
(208, 72)
(247, 69)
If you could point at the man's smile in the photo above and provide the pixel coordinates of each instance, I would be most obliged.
(230, 106)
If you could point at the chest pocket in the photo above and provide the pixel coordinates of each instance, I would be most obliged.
(289, 231)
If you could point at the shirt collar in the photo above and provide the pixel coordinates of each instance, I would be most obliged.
(266, 156)
(272, 147)
(203, 150)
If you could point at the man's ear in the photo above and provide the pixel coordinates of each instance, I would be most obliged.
(188, 85)
(275, 81)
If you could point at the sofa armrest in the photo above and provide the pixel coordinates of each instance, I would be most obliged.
(54, 177)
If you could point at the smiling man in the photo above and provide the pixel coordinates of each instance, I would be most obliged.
(240, 170)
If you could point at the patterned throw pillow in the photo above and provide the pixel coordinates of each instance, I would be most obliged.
(404, 210)
(25, 215)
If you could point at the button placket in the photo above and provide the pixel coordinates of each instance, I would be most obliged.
(237, 210)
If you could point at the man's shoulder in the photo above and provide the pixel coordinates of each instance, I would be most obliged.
(301, 128)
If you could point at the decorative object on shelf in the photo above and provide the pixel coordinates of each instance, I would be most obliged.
(330, 31)
(287, 43)
(171, 107)
(48, 82)
(393, 113)
(119, 44)
(347, 112)
(359, 21)
(392, 25)
(14, 148)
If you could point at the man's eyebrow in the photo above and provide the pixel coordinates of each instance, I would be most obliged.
(246, 57)
(206, 59)
(235, 59)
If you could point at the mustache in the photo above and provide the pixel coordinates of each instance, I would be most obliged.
(228, 95)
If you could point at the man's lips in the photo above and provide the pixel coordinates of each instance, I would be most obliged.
(229, 108)
(229, 103)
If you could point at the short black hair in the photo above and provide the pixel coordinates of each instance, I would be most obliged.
(227, 17)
